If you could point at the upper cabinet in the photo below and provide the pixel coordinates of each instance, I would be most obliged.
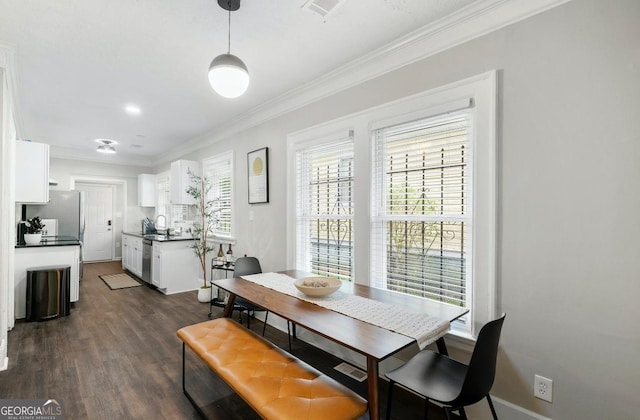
(180, 180)
(147, 190)
(32, 172)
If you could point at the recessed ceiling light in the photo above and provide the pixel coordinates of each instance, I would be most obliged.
(106, 146)
(132, 109)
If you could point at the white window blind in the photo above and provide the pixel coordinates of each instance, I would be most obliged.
(174, 213)
(324, 208)
(163, 206)
(422, 215)
(219, 171)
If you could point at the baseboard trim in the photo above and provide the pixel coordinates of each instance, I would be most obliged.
(504, 410)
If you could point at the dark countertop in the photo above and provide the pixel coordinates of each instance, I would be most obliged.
(53, 241)
(160, 238)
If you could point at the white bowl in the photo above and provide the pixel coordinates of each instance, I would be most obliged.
(317, 286)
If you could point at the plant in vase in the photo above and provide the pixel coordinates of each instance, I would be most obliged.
(207, 218)
(33, 233)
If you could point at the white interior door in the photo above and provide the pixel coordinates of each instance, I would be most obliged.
(98, 234)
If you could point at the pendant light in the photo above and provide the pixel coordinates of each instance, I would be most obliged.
(228, 75)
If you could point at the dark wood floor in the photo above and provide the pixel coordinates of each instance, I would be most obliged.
(117, 356)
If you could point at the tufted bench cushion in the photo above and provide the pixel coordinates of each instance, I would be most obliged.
(274, 383)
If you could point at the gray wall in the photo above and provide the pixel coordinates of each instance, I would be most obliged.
(569, 147)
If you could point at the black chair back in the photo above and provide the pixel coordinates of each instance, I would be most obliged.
(247, 265)
(482, 367)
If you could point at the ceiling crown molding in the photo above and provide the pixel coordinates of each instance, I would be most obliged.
(476, 20)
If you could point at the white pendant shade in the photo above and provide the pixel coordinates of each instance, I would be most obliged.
(228, 76)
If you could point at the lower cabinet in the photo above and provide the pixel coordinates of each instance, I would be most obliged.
(33, 257)
(132, 254)
(125, 252)
(156, 267)
(174, 267)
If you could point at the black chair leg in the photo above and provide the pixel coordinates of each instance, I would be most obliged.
(463, 414)
(426, 409)
(389, 399)
(447, 413)
(493, 410)
(289, 335)
(264, 327)
(248, 320)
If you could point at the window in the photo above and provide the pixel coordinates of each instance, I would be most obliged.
(174, 213)
(324, 209)
(218, 170)
(421, 225)
(426, 175)
(163, 207)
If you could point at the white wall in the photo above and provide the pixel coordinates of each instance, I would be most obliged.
(569, 143)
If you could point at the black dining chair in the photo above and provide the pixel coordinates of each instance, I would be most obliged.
(243, 267)
(455, 385)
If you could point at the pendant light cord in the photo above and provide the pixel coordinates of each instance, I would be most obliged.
(229, 37)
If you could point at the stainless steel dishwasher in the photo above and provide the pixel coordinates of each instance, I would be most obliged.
(147, 250)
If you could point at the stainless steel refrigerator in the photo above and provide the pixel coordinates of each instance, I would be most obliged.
(68, 208)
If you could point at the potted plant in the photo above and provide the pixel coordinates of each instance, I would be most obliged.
(34, 228)
(207, 218)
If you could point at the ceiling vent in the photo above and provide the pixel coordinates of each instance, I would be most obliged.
(324, 8)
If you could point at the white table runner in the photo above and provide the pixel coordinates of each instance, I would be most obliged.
(424, 328)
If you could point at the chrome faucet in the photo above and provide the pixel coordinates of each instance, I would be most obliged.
(164, 221)
(164, 224)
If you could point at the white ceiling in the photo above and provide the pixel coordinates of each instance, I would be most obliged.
(79, 62)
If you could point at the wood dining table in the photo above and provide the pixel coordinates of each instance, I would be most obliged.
(373, 342)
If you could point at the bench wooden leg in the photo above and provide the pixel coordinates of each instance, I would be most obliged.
(184, 388)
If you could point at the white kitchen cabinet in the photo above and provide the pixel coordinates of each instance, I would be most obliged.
(147, 190)
(156, 266)
(175, 267)
(125, 252)
(136, 257)
(31, 257)
(180, 180)
(32, 172)
(132, 254)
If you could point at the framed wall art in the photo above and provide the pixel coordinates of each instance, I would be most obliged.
(258, 171)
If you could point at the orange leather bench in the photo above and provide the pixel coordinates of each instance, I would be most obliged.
(274, 383)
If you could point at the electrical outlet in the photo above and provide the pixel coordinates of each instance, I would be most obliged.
(543, 388)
